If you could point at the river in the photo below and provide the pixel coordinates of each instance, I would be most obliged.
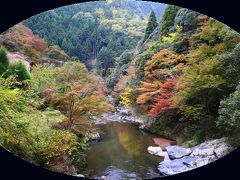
(122, 153)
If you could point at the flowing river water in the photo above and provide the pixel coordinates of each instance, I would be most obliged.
(122, 153)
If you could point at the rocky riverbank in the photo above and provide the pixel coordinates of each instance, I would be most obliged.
(179, 159)
(120, 114)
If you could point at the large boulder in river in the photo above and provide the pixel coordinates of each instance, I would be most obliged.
(171, 167)
(218, 147)
(222, 149)
(176, 152)
(198, 151)
(181, 159)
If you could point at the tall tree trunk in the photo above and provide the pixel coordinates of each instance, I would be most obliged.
(71, 110)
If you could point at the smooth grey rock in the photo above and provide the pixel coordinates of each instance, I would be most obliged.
(176, 152)
(166, 158)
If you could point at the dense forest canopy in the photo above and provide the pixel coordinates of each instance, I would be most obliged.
(83, 29)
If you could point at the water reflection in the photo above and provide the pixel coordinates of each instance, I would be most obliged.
(122, 153)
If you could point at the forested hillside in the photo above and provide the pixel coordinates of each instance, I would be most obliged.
(183, 79)
(83, 30)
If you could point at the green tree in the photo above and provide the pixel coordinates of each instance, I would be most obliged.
(199, 89)
(229, 111)
(187, 19)
(4, 62)
(152, 24)
(168, 19)
(18, 70)
(105, 61)
(231, 66)
(55, 52)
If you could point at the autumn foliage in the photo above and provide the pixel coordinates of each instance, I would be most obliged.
(147, 91)
(25, 37)
(163, 101)
(161, 72)
(164, 64)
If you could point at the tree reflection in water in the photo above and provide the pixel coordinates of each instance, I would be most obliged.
(123, 152)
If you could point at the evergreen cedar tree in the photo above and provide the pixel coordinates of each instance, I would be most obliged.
(152, 24)
(168, 19)
(3, 58)
(18, 69)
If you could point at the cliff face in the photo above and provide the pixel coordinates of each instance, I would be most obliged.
(153, 37)
(19, 57)
(129, 71)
